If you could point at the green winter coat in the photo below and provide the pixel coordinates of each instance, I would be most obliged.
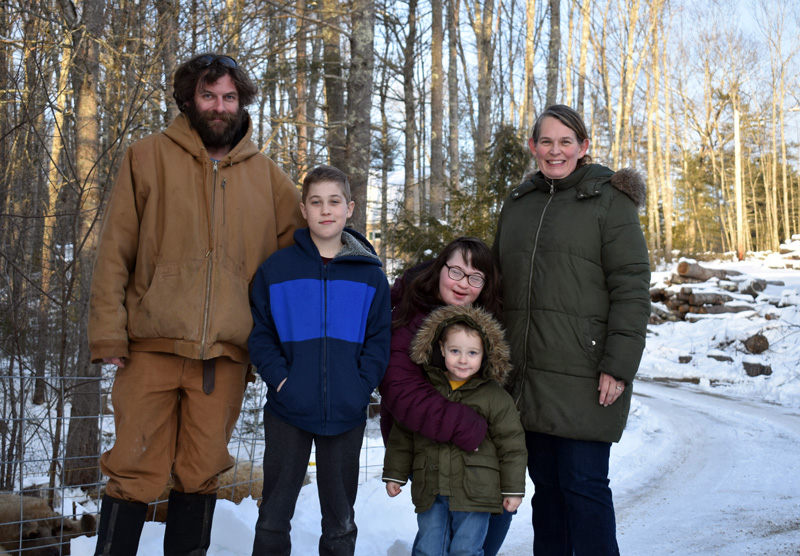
(473, 481)
(576, 277)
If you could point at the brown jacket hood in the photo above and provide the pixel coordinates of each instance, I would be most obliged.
(424, 348)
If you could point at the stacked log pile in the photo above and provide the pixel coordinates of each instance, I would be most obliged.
(788, 255)
(693, 291)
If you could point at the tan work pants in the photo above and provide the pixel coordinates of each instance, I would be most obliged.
(165, 424)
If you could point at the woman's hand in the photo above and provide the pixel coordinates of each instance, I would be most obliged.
(118, 361)
(610, 389)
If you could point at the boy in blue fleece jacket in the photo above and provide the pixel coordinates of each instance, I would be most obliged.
(320, 340)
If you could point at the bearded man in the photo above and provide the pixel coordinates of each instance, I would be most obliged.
(194, 211)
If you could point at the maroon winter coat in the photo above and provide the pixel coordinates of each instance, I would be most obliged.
(408, 397)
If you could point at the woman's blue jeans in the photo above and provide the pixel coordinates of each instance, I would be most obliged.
(573, 510)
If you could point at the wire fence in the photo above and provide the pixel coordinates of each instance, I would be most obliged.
(42, 506)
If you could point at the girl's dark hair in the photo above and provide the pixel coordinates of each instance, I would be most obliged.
(199, 69)
(422, 294)
(569, 118)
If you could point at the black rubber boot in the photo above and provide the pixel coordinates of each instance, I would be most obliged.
(189, 518)
(120, 527)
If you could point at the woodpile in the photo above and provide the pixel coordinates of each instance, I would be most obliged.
(788, 255)
(693, 291)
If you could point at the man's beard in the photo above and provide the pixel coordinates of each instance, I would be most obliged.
(216, 135)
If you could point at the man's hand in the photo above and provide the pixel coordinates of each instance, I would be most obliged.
(393, 489)
(118, 361)
(511, 503)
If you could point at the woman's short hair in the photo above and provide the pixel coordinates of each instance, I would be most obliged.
(569, 118)
(208, 68)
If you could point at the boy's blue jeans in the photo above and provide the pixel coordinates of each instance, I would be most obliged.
(286, 453)
(573, 511)
(446, 533)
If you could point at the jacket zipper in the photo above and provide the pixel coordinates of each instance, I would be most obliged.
(530, 284)
(224, 210)
(207, 304)
(325, 342)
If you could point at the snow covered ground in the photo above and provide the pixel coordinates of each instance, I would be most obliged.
(709, 464)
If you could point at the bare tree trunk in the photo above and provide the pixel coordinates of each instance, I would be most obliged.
(437, 112)
(585, 22)
(168, 39)
(667, 196)
(554, 50)
(334, 84)
(86, 395)
(482, 23)
(409, 184)
(453, 7)
(359, 106)
(527, 110)
(301, 88)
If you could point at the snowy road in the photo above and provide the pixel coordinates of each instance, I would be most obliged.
(717, 476)
(726, 481)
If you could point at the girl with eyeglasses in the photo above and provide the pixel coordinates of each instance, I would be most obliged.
(463, 273)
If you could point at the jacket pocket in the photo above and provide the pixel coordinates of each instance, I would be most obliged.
(172, 306)
(482, 478)
(298, 395)
(594, 339)
(350, 396)
(231, 319)
(419, 481)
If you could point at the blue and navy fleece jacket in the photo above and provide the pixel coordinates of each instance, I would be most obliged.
(324, 328)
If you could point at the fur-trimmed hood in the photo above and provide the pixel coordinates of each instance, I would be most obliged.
(424, 349)
(627, 180)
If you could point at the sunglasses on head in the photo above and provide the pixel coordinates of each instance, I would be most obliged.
(205, 61)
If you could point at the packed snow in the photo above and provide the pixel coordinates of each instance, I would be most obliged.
(709, 463)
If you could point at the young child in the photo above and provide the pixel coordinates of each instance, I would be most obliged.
(464, 355)
(322, 327)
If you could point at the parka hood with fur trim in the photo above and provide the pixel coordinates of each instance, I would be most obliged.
(424, 349)
(588, 179)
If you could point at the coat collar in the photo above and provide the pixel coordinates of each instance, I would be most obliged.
(588, 181)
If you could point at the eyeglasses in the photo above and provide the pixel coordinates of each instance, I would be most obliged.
(205, 61)
(474, 280)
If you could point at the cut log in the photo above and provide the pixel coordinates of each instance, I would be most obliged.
(718, 309)
(678, 279)
(756, 344)
(694, 270)
(752, 287)
(756, 369)
(719, 357)
(659, 295)
(708, 298)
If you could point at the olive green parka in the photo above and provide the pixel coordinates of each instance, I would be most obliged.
(576, 275)
(473, 481)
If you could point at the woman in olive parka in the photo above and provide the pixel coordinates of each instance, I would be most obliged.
(575, 274)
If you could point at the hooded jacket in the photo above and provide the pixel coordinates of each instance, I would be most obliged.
(576, 276)
(181, 239)
(474, 481)
(407, 396)
(325, 329)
